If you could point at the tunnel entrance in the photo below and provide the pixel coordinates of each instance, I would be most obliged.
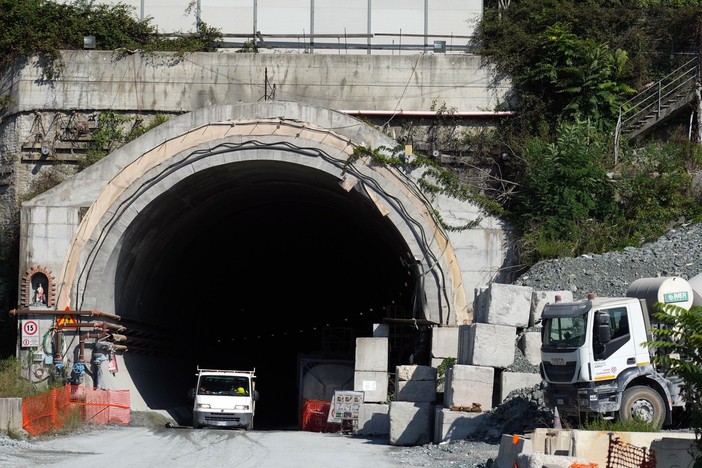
(258, 264)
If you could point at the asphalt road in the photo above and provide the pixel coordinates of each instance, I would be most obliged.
(134, 447)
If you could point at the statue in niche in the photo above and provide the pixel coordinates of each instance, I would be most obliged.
(39, 295)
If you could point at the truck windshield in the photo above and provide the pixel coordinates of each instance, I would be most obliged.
(223, 385)
(564, 332)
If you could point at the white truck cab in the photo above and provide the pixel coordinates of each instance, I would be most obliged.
(594, 359)
(224, 398)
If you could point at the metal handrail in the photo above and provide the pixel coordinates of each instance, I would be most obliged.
(651, 100)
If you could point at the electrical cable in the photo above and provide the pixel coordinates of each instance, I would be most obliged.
(415, 226)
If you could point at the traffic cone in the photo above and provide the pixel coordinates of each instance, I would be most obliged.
(556, 419)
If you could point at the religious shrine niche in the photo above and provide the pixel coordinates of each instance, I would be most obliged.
(38, 288)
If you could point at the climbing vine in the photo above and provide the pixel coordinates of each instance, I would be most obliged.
(113, 131)
(434, 179)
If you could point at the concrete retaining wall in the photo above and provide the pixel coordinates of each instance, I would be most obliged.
(11, 415)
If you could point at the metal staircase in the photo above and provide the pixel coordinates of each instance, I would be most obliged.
(658, 102)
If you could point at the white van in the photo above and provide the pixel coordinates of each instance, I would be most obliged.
(224, 398)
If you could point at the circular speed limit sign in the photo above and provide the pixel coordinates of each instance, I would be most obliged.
(30, 328)
(30, 333)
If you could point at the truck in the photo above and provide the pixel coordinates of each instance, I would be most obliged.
(594, 360)
(224, 398)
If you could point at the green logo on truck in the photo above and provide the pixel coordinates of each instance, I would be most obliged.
(670, 298)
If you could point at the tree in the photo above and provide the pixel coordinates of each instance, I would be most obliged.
(679, 342)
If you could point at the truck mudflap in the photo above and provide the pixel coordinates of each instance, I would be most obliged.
(584, 399)
(221, 419)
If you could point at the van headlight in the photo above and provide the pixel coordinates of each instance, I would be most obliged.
(203, 405)
(242, 407)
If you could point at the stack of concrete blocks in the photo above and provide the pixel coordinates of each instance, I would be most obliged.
(467, 387)
(371, 378)
(502, 310)
(411, 414)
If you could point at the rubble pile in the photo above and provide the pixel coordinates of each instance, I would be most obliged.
(522, 411)
(677, 253)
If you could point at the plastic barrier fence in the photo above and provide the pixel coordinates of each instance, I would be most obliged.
(314, 417)
(47, 411)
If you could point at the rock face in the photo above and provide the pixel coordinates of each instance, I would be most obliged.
(677, 253)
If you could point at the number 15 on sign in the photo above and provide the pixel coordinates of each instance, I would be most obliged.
(30, 333)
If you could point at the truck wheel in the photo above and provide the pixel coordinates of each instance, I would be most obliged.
(249, 426)
(643, 404)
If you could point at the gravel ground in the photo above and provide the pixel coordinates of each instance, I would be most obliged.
(460, 454)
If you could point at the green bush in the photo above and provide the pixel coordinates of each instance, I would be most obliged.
(11, 384)
(601, 424)
(678, 343)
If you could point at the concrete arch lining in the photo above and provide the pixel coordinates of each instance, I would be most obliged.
(238, 148)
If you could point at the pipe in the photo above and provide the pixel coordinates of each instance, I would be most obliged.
(91, 313)
(429, 113)
(81, 343)
(58, 357)
(111, 326)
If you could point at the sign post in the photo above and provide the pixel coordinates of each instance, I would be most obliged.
(30, 333)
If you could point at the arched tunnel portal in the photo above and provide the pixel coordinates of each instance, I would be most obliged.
(257, 244)
(278, 263)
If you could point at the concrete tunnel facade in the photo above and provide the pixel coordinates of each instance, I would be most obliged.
(242, 236)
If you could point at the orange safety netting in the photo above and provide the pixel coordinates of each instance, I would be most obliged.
(50, 410)
(314, 417)
(624, 455)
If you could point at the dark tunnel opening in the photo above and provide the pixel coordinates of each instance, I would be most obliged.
(258, 265)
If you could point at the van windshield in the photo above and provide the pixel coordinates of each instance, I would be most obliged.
(223, 385)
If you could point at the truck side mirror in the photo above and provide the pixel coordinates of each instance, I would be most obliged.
(191, 393)
(604, 329)
(255, 395)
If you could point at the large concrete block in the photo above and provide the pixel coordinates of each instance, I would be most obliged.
(415, 383)
(466, 385)
(510, 381)
(374, 385)
(540, 298)
(411, 423)
(507, 304)
(455, 425)
(552, 441)
(373, 419)
(411, 372)
(511, 446)
(416, 390)
(482, 344)
(372, 354)
(444, 342)
(480, 301)
(594, 445)
(674, 453)
(530, 345)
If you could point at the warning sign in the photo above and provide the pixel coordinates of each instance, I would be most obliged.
(30, 333)
(66, 320)
(345, 406)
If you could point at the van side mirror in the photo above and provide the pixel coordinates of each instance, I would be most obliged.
(604, 329)
(191, 393)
